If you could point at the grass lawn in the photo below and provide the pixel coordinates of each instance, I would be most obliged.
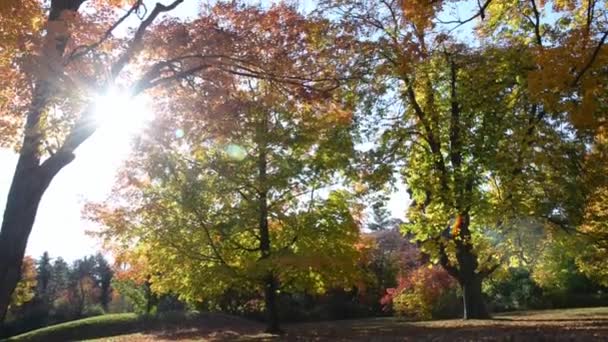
(83, 328)
(590, 324)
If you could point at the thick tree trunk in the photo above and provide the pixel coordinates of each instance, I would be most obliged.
(29, 183)
(19, 214)
(472, 297)
(466, 271)
(469, 277)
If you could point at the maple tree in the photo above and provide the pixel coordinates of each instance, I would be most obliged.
(72, 56)
(48, 76)
(248, 207)
(418, 292)
(237, 172)
(478, 148)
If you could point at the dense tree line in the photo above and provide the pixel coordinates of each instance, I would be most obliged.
(51, 291)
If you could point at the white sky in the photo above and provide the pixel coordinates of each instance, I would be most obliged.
(59, 228)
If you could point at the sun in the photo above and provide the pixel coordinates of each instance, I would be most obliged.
(119, 118)
(120, 113)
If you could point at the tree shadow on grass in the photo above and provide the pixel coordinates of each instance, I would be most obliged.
(582, 319)
(216, 328)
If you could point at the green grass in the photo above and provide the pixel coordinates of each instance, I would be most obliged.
(92, 327)
(105, 326)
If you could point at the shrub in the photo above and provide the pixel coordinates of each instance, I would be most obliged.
(170, 303)
(135, 294)
(93, 310)
(448, 304)
(424, 293)
(517, 292)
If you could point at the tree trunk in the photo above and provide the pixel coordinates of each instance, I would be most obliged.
(270, 281)
(21, 206)
(270, 300)
(16, 227)
(472, 297)
(469, 277)
(30, 181)
(466, 271)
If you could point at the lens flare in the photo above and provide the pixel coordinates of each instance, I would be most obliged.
(236, 152)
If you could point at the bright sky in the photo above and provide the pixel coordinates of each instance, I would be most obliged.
(59, 227)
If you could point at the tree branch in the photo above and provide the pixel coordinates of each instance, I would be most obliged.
(536, 23)
(135, 43)
(591, 60)
(480, 13)
(82, 50)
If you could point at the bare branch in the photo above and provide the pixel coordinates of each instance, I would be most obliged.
(536, 24)
(480, 13)
(82, 50)
(591, 60)
(135, 43)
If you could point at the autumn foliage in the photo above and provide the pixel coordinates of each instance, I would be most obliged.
(419, 292)
(274, 127)
(26, 287)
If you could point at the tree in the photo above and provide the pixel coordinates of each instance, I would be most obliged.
(209, 212)
(592, 240)
(420, 292)
(75, 56)
(103, 276)
(471, 185)
(45, 272)
(247, 201)
(82, 288)
(567, 40)
(60, 276)
(26, 288)
(381, 216)
(134, 293)
(390, 256)
(474, 144)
